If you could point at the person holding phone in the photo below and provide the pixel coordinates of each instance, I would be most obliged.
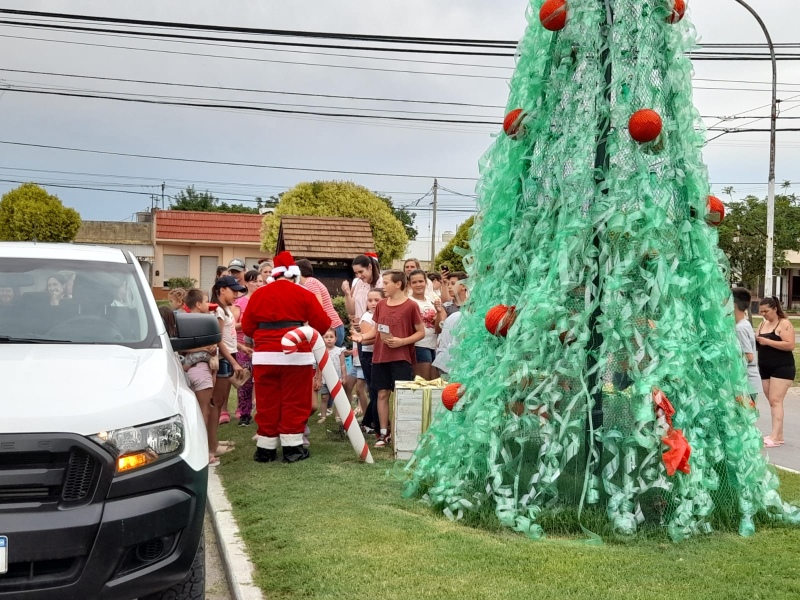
(399, 326)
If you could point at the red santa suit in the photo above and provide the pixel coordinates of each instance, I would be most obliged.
(283, 382)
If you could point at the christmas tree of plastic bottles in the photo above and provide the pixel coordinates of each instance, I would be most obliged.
(617, 398)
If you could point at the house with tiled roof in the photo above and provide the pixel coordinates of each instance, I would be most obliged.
(192, 244)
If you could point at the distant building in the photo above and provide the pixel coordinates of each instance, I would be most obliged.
(136, 237)
(192, 244)
(330, 243)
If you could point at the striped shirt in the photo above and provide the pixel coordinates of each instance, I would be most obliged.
(315, 286)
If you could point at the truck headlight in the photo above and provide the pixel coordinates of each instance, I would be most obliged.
(135, 447)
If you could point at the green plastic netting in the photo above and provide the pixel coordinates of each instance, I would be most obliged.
(620, 289)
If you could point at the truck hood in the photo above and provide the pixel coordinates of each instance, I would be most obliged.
(84, 389)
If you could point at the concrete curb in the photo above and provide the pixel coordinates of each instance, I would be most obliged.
(787, 469)
(238, 567)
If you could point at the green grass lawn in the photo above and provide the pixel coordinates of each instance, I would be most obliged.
(333, 528)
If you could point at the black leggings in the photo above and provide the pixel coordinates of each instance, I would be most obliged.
(371, 416)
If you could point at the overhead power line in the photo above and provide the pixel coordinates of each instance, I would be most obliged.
(450, 42)
(384, 116)
(243, 107)
(232, 164)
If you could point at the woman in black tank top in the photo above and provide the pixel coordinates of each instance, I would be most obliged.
(775, 342)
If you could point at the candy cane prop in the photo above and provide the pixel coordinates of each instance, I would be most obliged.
(290, 343)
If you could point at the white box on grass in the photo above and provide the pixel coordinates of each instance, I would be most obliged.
(414, 409)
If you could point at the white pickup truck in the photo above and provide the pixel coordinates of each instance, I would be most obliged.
(103, 452)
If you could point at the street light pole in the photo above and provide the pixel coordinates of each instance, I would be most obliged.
(768, 281)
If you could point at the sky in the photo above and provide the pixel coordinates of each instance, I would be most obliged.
(448, 152)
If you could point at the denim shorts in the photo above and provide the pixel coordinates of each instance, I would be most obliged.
(225, 368)
(425, 355)
(356, 372)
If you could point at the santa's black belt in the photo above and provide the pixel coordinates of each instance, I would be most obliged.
(280, 324)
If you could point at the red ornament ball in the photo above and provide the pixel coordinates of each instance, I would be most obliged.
(678, 10)
(645, 125)
(716, 211)
(553, 15)
(451, 394)
(500, 318)
(512, 124)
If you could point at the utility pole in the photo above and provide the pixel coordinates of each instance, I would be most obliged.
(162, 194)
(773, 119)
(433, 223)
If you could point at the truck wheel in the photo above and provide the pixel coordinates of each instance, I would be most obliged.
(193, 587)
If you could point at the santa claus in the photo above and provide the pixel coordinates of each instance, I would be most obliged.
(283, 382)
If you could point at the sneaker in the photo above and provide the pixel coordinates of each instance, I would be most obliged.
(382, 441)
(245, 421)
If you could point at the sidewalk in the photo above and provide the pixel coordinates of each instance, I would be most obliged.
(787, 455)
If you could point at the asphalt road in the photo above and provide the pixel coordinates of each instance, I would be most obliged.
(787, 455)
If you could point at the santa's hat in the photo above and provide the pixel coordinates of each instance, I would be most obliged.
(285, 265)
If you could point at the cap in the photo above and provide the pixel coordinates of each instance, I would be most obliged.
(237, 264)
(229, 281)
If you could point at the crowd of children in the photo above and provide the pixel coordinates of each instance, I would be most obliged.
(400, 326)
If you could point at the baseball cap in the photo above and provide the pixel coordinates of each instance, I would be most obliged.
(237, 264)
(229, 281)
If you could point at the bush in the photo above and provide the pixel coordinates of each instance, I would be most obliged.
(448, 255)
(338, 304)
(181, 282)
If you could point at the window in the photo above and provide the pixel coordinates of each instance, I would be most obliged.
(252, 263)
(176, 265)
(208, 271)
(80, 302)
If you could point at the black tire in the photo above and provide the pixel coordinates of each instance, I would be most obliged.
(191, 588)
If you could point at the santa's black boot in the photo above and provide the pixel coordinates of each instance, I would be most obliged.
(292, 454)
(263, 455)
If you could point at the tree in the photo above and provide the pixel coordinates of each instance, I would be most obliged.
(742, 236)
(596, 376)
(729, 191)
(402, 215)
(339, 199)
(191, 199)
(448, 254)
(29, 213)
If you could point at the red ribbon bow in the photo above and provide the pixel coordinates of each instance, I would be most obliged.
(371, 255)
(677, 457)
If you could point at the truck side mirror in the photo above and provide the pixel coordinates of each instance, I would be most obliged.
(195, 330)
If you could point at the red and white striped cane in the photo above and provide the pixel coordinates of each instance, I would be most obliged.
(290, 343)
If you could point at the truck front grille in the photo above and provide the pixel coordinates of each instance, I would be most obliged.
(39, 478)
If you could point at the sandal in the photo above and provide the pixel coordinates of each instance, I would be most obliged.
(213, 461)
(770, 443)
(227, 443)
(223, 450)
(321, 419)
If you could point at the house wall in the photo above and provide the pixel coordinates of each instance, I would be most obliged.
(108, 232)
(225, 252)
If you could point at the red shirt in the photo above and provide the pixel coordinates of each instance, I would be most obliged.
(402, 321)
(315, 286)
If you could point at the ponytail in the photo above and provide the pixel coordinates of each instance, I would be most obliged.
(364, 261)
(774, 302)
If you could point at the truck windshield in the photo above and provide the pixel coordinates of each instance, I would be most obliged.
(77, 302)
